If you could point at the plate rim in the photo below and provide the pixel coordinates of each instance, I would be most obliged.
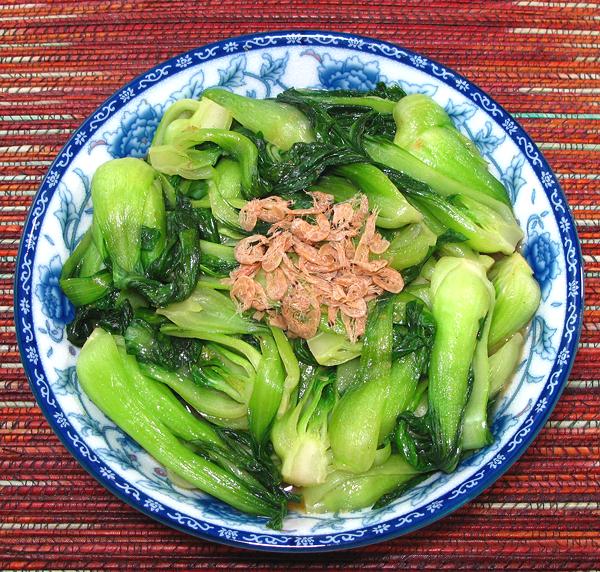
(347, 538)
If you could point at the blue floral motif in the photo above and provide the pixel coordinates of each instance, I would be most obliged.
(61, 420)
(107, 473)
(69, 214)
(52, 179)
(153, 505)
(80, 138)
(510, 126)
(233, 74)
(135, 134)
(542, 254)
(460, 113)
(66, 381)
(563, 357)
(55, 305)
(435, 506)
(270, 74)
(424, 88)
(541, 406)
(126, 94)
(192, 90)
(89, 425)
(230, 47)
(418, 61)
(228, 533)
(183, 61)
(351, 73)
(381, 528)
(32, 354)
(461, 84)
(512, 179)
(486, 141)
(25, 306)
(542, 343)
(272, 70)
(294, 38)
(497, 461)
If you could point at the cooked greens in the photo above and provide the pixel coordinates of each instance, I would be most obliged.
(320, 290)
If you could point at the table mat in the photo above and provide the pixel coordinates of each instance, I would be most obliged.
(540, 59)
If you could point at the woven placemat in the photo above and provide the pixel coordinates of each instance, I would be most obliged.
(540, 59)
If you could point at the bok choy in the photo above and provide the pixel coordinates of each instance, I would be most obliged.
(314, 298)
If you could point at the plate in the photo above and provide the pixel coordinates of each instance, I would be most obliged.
(261, 65)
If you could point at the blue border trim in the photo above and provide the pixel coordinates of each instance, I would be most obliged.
(277, 542)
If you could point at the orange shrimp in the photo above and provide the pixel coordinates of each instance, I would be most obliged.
(243, 292)
(277, 284)
(311, 233)
(251, 249)
(302, 311)
(389, 279)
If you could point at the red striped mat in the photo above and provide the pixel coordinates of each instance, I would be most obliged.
(541, 59)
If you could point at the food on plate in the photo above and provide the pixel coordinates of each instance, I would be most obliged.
(312, 299)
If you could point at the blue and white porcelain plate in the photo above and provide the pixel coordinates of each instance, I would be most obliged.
(262, 65)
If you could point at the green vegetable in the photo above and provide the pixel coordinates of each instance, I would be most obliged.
(411, 346)
(231, 405)
(104, 377)
(214, 380)
(161, 402)
(410, 170)
(145, 341)
(173, 275)
(187, 113)
(86, 290)
(342, 189)
(414, 333)
(229, 182)
(344, 491)
(183, 158)
(173, 149)
(84, 277)
(217, 259)
(288, 173)
(517, 298)
(123, 191)
(462, 297)
(268, 390)
(503, 363)
(340, 100)
(476, 433)
(409, 246)
(393, 209)
(346, 374)
(457, 348)
(113, 312)
(486, 229)
(356, 420)
(331, 348)
(281, 124)
(404, 378)
(224, 191)
(207, 398)
(209, 312)
(185, 161)
(426, 131)
(291, 366)
(300, 436)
